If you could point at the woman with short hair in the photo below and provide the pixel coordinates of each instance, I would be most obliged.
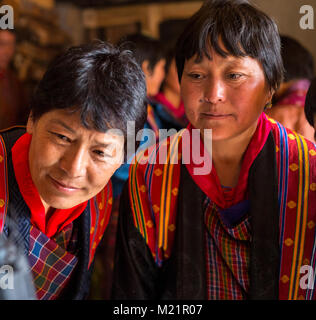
(242, 227)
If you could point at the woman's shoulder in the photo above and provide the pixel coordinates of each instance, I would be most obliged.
(291, 142)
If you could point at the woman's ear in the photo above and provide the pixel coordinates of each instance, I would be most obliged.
(271, 94)
(269, 99)
(146, 69)
(30, 124)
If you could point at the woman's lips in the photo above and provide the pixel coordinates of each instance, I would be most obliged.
(216, 116)
(64, 187)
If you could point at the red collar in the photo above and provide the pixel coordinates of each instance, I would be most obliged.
(60, 217)
(211, 185)
(177, 111)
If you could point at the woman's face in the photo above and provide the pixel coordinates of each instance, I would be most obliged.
(226, 95)
(7, 48)
(172, 80)
(69, 163)
(154, 77)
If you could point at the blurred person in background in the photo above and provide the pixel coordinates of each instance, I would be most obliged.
(310, 105)
(168, 103)
(13, 99)
(289, 100)
(149, 55)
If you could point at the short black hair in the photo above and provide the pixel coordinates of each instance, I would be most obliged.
(297, 60)
(144, 48)
(101, 82)
(310, 103)
(244, 31)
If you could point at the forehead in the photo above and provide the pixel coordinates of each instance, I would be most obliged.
(219, 52)
(215, 59)
(70, 120)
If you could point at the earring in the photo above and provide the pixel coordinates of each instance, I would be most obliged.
(268, 106)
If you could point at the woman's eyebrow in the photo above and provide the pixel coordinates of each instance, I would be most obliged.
(63, 124)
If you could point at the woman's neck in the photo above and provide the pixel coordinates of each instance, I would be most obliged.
(227, 156)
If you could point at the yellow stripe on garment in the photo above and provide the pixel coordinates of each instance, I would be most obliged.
(165, 206)
(300, 218)
(137, 207)
(174, 154)
(305, 213)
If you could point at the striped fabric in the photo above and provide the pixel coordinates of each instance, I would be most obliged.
(53, 260)
(297, 196)
(153, 194)
(159, 215)
(4, 184)
(50, 262)
(227, 256)
(152, 121)
(101, 208)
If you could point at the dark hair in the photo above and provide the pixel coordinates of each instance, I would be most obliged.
(310, 103)
(297, 60)
(244, 31)
(102, 82)
(144, 48)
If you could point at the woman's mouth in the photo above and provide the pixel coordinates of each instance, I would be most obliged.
(64, 186)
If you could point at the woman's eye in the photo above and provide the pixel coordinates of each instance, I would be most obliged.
(100, 153)
(195, 76)
(62, 137)
(234, 76)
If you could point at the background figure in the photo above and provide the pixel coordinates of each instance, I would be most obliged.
(167, 103)
(149, 54)
(289, 100)
(13, 102)
(310, 105)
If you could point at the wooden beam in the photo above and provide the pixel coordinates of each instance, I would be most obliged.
(148, 15)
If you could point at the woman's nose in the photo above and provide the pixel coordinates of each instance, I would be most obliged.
(74, 162)
(214, 91)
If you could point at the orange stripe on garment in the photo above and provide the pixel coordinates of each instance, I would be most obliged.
(137, 207)
(4, 194)
(300, 222)
(305, 213)
(174, 154)
(165, 195)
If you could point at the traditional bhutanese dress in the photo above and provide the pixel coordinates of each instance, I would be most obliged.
(185, 236)
(60, 249)
(166, 114)
(160, 115)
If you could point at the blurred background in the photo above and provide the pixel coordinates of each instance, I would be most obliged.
(45, 27)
